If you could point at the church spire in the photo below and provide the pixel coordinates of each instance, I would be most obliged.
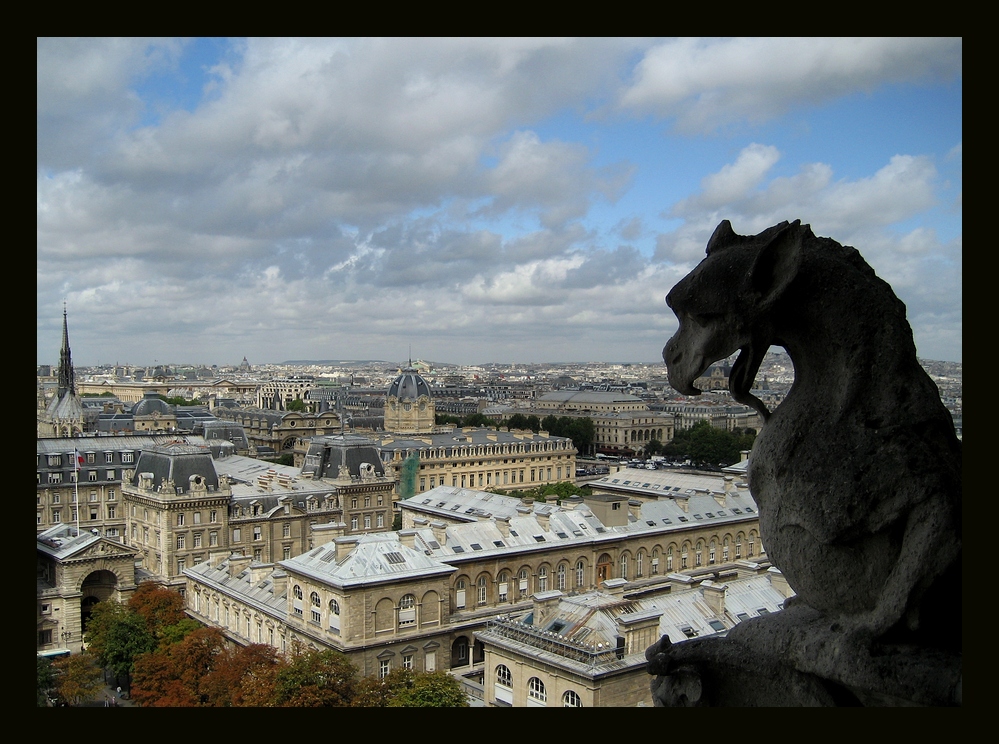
(67, 378)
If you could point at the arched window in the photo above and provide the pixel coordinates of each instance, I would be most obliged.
(669, 558)
(407, 610)
(624, 566)
(335, 616)
(580, 573)
(503, 676)
(536, 691)
(297, 600)
(561, 577)
(725, 551)
(639, 563)
(571, 700)
(459, 594)
(503, 586)
(655, 561)
(543, 579)
(711, 553)
(316, 614)
(482, 590)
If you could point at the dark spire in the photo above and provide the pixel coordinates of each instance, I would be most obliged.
(67, 378)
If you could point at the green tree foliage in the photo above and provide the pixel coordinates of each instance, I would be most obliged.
(116, 636)
(703, 444)
(405, 688)
(297, 405)
(654, 447)
(429, 690)
(320, 679)
(79, 678)
(46, 680)
(580, 430)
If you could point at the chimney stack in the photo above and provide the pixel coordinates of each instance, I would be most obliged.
(714, 595)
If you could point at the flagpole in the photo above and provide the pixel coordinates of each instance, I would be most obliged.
(76, 484)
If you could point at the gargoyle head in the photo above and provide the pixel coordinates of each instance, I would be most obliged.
(725, 304)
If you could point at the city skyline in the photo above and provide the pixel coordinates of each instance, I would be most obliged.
(471, 200)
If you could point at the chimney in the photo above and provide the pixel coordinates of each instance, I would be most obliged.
(343, 546)
(323, 533)
(729, 484)
(551, 498)
(714, 595)
(719, 497)
(779, 582)
(259, 571)
(408, 538)
(635, 508)
(683, 501)
(614, 587)
(503, 524)
(543, 520)
(638, 629)
(217, 557)
(440, 532)
(237, 563)
(280, 580)
(545, 603)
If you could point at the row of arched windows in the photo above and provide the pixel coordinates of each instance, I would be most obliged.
(537, 693)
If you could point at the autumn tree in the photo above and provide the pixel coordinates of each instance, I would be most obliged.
(242, 676)
(175, 675)
(158, 606)
(79, 677)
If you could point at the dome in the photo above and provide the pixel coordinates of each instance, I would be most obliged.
(150, 403)
(408, 386)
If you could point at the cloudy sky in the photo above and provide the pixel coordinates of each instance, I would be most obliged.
(474, 200)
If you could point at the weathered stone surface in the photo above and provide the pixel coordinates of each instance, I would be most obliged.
(857, 475)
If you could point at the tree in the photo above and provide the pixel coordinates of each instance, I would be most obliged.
(175, 676)
(46, 680)
(158, 606)
(296, 405)
(704, 444)
(315, 679)
(116, 636)
(80, 678)
(430, 690)
(241, 676)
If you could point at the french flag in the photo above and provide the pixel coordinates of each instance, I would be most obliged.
(79, 459)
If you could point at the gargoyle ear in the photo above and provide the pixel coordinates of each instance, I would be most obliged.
(777, 263)
(721, 237)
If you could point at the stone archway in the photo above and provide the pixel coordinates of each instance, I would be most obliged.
(604, 569)
(98, 586)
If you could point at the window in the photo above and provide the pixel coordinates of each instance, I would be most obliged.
(181, 565)
(110, 494)
(367, 521)
(108, 457)
(316, 614)
(256, 533)
(127, 457)
(367, 501)
(536, 691)
(571, 700)
(503, 676)
(381, 520)
(353, 523)
(580, 569)
(213, 539)
(543, 579)
(407, 661)
(285, 553)
(639, 561)
(407, 610)
(56, 515)
(258, 554)
(560, 585)
(181, 542)
(110, 475)
(112, 511)
(482, 590)
(504, 587)
(384, 667)
(44, 637)
(353, 503)
(286, 529)
(459, 594)
(335, 616)
(624, 567)
(180, 520)
(197, 517)
(213, 516)
(55, 499)
(297, 600)
(92, 476)
(197, 539)
(55, 477)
